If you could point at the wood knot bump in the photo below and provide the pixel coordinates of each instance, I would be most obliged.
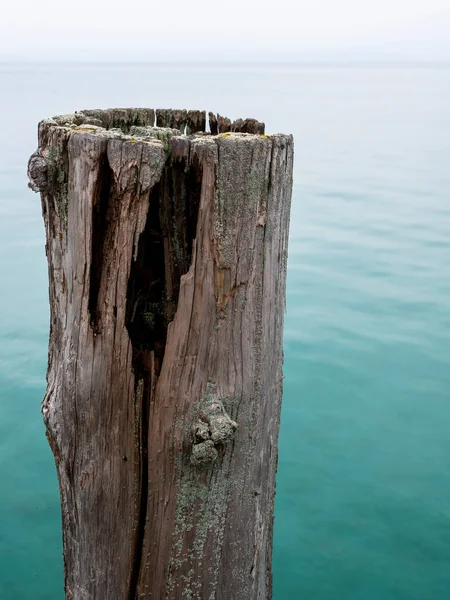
(37, 172)
(204, 454)
(212, 429)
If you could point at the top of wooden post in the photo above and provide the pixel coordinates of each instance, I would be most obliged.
(163, 129)
(132, 120)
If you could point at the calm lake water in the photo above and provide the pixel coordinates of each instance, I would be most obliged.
(363, 496)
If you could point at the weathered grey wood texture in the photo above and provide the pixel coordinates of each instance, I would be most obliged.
(167, 264)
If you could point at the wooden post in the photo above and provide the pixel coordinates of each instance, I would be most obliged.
(167, 250)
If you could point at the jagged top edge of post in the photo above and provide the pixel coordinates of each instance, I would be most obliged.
(154, 123)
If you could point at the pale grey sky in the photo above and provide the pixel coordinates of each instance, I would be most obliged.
(233, 30)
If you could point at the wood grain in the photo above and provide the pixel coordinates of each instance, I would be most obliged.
(167, 252)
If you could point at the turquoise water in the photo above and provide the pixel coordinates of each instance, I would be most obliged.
(363, 498)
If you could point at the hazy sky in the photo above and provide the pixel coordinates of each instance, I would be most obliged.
(233, 29)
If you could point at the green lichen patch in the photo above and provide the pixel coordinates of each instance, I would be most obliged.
(204, 484)
(201, 431)
(57, 180)
(163, 134)
(204, 453)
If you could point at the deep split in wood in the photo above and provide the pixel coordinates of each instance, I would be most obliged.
(167, 251)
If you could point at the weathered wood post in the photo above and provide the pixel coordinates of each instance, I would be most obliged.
(167, 250)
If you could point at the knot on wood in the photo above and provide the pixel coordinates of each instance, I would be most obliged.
(37, 172)
(213, 428)
(203, 454)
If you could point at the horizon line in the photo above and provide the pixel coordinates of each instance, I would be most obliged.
(262, 62)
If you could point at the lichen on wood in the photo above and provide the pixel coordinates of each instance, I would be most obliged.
(167, 250)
